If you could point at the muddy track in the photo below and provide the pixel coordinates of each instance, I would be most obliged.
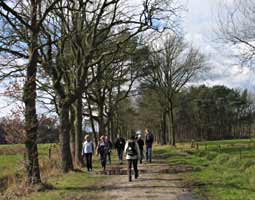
(149, 169)
(156, 181)
(147, 186)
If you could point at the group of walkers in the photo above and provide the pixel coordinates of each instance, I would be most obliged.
(133, 148)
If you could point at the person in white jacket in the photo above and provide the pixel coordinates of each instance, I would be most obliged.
(132, 155)
(87, 151)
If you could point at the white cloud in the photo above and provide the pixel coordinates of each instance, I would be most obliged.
(200, 23)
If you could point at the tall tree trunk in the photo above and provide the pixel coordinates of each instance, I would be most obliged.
(169, 127)
(101, 124)
(113, 128)
(29, 98)
(117, 128)
(92, 122)
(78, 131)
(109, 130)
(164, 128)
(72, 131)
(171, 124)
(31, 123)
(64, 138)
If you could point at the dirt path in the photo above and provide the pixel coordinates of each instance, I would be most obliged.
(152, 184)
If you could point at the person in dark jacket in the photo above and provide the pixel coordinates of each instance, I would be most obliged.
(108, 145)
(149, 139)
(140, 143)
(102, 152)
(120, 145)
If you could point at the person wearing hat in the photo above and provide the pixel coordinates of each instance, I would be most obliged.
(132, 156)
(87, 151)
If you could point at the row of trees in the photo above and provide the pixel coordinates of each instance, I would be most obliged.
(213, 115)
(81, 56)
(200, 113)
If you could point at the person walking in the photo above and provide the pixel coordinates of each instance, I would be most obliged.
(120, 145)
(140, 143)
(108, 146)
(102, 151)
(87, 151)
(149, 139)
(132, 156)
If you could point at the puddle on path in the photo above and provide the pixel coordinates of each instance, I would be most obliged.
(165, 170)
(187, 196)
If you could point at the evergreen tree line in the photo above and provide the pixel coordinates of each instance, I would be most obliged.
(200, 113)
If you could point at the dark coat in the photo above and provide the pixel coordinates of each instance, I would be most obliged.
(120, 143)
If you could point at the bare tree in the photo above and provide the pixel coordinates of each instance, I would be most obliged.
(236, 26)
(115, 83)
(173, 66)
(68, 39)
(82, 31)
(19, 39)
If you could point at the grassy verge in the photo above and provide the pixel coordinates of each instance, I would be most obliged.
(62, 186)
(226, 168)
(74, 185)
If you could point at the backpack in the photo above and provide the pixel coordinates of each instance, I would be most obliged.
(131, 149)
(149, 138)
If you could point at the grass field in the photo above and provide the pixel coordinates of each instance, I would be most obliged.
(11, 157)
(223, 170)
(74, 183)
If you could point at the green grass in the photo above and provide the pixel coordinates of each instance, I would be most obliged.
(64, 186)
(74, 184)
(13, 161)
(225, 170)
(227, 173)
(9, 164)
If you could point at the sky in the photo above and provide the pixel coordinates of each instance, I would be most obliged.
(199, 22)
(200, 25)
